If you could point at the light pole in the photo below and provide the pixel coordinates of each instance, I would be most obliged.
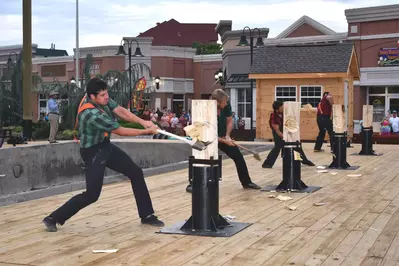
(137, 53)
(77, 44)
(157, 80)
(259, 43)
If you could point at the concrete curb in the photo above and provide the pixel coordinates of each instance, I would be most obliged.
(65, 188)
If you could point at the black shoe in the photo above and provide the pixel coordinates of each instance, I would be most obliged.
(307, 162)
(189, 189)
(266, 166)
(252, 186)
(50, 223)
(152, 220)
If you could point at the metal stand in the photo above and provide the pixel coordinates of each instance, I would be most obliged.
(205, 219)
(339, 153)
(291, 172)
(367, 142)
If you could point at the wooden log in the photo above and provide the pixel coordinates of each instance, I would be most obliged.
(339, 123)
(367, 115)
(291, 121)
(206, 111)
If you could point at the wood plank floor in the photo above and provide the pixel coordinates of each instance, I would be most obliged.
(358, 225)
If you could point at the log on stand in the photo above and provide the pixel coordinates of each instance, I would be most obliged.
(204, 173)
(367, 132)
(291, 157)
(340, 140)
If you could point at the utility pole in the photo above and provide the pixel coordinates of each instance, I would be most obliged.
(27, 68)
(77, 45)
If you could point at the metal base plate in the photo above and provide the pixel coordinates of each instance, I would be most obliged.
(375, 154)
(310, 189)
(354, 167)
(227, 231)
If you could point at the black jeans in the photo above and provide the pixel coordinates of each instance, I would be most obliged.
(325, 124)
(234, 153)
(96, 158)
(278, 146)
(273, 154)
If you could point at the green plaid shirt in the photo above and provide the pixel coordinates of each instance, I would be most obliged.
(94, 122)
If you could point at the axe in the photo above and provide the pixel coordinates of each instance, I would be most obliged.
(256, 155)
(195, 144)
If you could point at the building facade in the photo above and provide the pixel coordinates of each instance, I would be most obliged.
(375, 33)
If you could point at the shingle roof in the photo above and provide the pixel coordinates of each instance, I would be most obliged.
(238, 78)
(174, 33)
(320, 58)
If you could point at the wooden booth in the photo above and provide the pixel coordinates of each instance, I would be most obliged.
(303, 73)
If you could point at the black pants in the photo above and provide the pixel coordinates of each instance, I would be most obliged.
(273, 154)
(96, 158)
(234, 153)
(278, 146)
(325, 124)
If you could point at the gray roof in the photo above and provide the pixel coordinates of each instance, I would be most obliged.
(320, 58)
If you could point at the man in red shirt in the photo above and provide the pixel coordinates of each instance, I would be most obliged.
(276, 124)
(324, 122)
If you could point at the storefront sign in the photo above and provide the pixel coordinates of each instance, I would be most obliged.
(388, 57)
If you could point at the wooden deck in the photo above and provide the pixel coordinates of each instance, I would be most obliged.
(358, 225)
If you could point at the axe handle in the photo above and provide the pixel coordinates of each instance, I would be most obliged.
(246, 149)
(174, 136)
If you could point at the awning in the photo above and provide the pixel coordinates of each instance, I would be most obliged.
(238, 81)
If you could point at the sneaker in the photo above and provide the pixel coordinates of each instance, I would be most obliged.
(152, 220)
(251, 186)
(266, 166)
(50, 223)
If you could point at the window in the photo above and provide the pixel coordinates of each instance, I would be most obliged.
(311, 94)
(286, 93)
(244, 102)
(42, 105)
(53, 71)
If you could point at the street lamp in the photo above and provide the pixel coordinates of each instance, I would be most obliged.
(157, 80)
(259, 43)
(137, 53)
(219, 76)
(9, 60)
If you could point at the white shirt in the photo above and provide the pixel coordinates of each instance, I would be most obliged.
(394, 121)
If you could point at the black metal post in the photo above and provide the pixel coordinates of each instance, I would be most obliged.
(339, 151)
(367, 142)
(205, 219)
(130, 76)
(252, 85)
(291, 169)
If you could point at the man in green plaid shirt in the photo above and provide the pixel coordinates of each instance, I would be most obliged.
(96, 122)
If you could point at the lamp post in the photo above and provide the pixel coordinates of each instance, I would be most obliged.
(259, 43)
(157, 80)
(137, 53)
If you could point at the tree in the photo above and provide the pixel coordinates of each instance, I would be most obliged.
(207, 48)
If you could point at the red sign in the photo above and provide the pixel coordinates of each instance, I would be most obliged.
(141, 84)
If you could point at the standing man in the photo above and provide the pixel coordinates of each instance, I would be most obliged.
(394, 122)
(53, 115)
(96, 122)
(276, 124)
(225, 143)
(324, 122)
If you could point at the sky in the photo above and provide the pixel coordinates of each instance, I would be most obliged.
(105, 22)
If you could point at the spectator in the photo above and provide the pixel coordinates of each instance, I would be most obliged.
(394, 122)
(53, 115)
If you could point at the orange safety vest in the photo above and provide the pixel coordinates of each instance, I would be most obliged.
(81, 108)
